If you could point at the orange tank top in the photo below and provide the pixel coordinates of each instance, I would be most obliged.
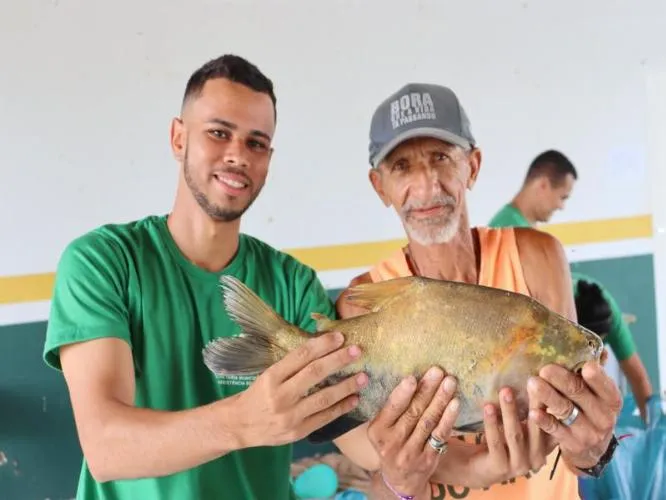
(500, 268)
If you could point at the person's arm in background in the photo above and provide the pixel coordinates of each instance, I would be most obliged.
(621, 342)
(89, 338)
(634, 369)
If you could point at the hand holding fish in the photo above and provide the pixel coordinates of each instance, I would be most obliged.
(403, 431)
(512, 448)
(580, 410)
(276, 409)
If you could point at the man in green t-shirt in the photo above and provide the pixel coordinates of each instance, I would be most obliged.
(549, 182)
(135, 303)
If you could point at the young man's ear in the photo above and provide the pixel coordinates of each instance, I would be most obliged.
(375, 176)
(177, 138)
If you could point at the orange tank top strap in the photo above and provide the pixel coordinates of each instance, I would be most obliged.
(394, 266)
(500, 261)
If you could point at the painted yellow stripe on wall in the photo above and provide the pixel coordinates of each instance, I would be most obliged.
(571, 233)
(37, 287)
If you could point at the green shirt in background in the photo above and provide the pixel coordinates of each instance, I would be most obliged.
(509, 216)
(619, 337)
(130, 281)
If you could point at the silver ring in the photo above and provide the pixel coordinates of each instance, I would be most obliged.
(437, 445)
(572, 417)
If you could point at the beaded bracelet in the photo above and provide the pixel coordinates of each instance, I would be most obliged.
(398, 495)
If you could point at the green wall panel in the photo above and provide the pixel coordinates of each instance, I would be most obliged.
(37, 433)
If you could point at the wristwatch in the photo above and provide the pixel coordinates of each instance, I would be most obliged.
(605, 459)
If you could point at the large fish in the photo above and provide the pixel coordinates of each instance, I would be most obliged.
(486, 337)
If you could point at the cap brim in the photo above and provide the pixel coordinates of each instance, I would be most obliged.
(435, 133)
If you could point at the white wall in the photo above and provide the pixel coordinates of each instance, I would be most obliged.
(87, 90)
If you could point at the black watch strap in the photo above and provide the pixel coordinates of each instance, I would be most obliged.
(605, 459)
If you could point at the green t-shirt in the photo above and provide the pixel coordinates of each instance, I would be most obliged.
(509, 216)
(130, 281)
(619, 337)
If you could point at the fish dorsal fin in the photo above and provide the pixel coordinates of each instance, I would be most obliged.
(324, 323)
(375, 296)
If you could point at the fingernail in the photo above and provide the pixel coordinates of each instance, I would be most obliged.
(508, 396)
(534, 415)
(531, 383)
(339, 338)
(354, 351)
(362, 379)
(489, 410)
(454, 404)
(449, 384)
(433, 373)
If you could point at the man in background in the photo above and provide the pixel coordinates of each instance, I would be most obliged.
(548, 184)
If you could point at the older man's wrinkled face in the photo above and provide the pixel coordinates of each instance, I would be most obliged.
(425, 180)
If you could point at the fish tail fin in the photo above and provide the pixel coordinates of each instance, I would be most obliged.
(375, 296)
(324, 323)
(257, 347)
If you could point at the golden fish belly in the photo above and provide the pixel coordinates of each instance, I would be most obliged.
(467, 345)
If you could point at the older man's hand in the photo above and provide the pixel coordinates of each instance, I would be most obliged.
(400, 433)
(590, 400)
(514, 448)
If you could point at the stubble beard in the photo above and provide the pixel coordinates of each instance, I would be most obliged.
(433, 232)
(215, 212)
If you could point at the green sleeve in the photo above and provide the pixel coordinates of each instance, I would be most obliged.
(312, 297)
(508, 217)
(89, 297)
(619, 337)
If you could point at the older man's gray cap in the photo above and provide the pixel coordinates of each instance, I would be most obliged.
(418, 110)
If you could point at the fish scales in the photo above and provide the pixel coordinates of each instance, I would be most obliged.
(487, 338)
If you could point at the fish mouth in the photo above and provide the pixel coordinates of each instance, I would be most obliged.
(596, 346)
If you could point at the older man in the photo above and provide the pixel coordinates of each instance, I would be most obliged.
(423, 160)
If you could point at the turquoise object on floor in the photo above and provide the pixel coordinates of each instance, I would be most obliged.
(318, 481)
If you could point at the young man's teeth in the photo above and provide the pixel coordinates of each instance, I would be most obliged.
(232, 183)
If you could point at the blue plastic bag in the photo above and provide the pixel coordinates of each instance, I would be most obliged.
(638, 469)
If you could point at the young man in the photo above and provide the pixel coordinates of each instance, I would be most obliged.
(134, 304)
(548, 184)
(423, 161)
